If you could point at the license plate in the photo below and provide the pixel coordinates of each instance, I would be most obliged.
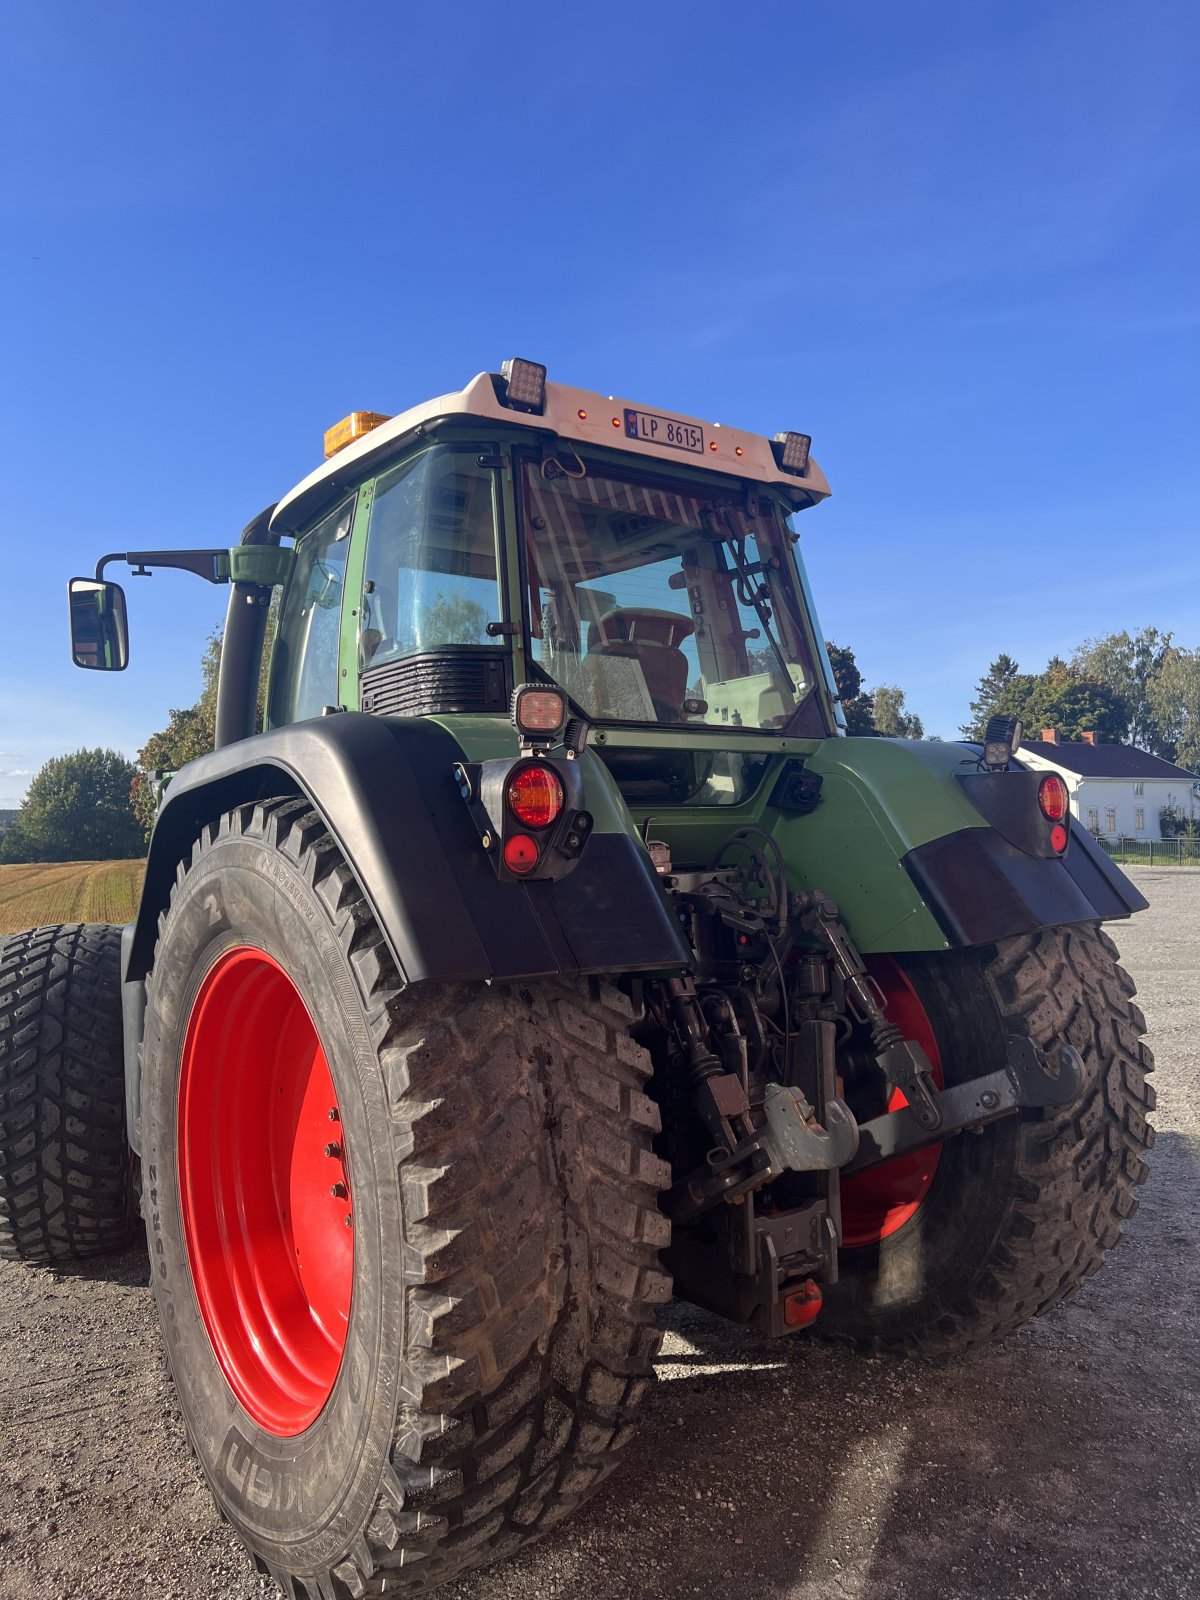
(664, 430)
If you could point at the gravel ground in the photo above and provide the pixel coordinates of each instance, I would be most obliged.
(1062, 1463)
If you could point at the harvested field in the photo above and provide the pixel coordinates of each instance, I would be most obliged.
(1062, 1464)
(41, 893)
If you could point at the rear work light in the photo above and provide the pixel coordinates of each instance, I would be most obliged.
(1001, 741)
(535, 797)
(1052, 797)
(539, 714)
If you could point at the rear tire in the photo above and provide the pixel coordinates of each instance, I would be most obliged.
(64, 1159)
(1019, 1216)
(497, 1152)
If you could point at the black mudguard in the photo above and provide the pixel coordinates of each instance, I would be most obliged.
(385, 791)
(982, 886)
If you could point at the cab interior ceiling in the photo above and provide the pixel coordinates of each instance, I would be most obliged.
(579, 529)
(633, 523)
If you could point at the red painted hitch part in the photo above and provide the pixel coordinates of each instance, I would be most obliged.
(878, 1202)
(267, 1210)
(802, 1307)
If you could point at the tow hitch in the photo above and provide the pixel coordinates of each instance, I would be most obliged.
(1026, 1081)
(766, 1190)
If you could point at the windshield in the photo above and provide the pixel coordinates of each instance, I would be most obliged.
(652, 601)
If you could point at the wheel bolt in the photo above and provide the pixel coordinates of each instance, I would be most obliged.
(989, 1100)
(334, 1115)
(338, 1191)
(349, 1220)
(333, 1149)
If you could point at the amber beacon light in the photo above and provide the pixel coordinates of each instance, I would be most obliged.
(351, 428)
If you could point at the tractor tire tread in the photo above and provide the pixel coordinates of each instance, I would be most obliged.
(517, 1405)
(65, 1189)
(1078, 1167)
(512, 1424)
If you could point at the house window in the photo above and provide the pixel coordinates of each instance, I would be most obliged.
(1093, 820)
(1139, 788)
(1139, 819)
(1110, 820)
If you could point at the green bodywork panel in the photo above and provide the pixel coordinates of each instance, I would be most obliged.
(880, 799)
(491, 738)
(355, 562)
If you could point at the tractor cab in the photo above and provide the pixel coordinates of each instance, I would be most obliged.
(551, 538)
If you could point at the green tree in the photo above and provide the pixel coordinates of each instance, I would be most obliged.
(1174, 699)
(455, 619)
(1174, 820)
(1067, 700)
(191, 730)
(891, 719)
(189, 733)
(1132, 664)
(987, 696)
(857, 705)
(77, 809)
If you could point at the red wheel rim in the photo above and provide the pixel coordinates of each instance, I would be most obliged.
(878, 1202)
(265, 1207)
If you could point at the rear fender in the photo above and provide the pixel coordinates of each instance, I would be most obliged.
(384, 788)
(921, 851)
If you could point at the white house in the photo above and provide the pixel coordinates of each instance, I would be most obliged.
(1116, 790)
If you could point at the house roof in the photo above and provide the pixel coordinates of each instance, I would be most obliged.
(1105, 760)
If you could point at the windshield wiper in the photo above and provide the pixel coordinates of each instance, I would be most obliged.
(757, 596)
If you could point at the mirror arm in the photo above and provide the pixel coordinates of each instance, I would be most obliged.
(212, 565)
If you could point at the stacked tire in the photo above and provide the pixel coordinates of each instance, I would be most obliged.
(65, 1190)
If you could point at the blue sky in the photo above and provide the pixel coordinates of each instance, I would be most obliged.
(959, 244)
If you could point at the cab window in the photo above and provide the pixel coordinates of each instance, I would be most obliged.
(430, 576)
(305, 676)
(662, 599)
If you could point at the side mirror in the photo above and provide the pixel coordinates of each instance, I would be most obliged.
(99, 630)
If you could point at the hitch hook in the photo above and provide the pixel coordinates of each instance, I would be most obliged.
(803, 1143)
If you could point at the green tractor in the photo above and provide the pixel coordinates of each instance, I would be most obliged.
(549, 946)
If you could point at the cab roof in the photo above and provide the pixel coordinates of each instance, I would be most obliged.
(576, 414)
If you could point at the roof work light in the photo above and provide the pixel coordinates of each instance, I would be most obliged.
(791, 451)
(525, 384)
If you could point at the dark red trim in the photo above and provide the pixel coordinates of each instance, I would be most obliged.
(880, 1200)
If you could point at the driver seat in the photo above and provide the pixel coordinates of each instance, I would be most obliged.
(653, 639)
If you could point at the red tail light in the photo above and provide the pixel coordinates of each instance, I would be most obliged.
(1052, 797)
(1058, 837)
(520, 853)
(535, 796)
